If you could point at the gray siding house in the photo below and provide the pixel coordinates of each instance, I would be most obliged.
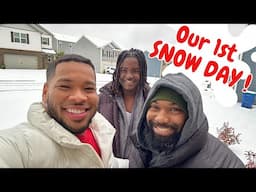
(102, 53)
(63, 43)
(154, 66)
(246, 57)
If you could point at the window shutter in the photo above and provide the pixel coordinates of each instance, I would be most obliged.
(11, 36)
(27, 39)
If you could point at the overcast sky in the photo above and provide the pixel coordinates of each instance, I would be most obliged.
(141, 36)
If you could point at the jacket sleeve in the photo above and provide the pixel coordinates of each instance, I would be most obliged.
(11, 154)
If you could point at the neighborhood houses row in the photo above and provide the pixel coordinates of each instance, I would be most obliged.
(31, 46)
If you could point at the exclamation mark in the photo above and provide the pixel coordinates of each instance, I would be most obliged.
(247, 82)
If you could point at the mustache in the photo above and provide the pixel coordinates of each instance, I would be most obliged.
(164, 125)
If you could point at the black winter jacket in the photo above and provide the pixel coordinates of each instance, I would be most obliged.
(196, 148)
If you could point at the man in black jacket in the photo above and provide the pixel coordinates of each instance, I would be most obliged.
(173, 129)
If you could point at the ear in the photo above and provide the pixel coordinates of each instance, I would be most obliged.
(44, 94)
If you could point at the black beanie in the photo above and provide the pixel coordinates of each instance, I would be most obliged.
(168, 94)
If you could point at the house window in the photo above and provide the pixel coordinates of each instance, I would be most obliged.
(110, 54)
(20, 37)
(16, 37)
(45, 40)
(104, 53)
(23, 38)
(116, 54)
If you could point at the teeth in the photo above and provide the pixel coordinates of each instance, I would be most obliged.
(159, 127)
(77, 111)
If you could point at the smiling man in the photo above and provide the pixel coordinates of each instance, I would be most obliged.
(64, 130)
(173, 129)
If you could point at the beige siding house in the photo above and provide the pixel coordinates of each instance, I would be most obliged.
(25, 46)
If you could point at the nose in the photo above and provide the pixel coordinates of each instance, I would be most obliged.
(129, 74)
(78, 96)
(162, 117)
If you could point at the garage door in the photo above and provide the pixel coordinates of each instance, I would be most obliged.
(12, 61)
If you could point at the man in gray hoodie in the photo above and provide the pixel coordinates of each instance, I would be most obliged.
(173, 129)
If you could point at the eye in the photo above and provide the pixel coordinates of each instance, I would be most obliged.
(136, 71)
(123, 70)
(154, 107)
(90, 89)
(63, 87)
(175, 110)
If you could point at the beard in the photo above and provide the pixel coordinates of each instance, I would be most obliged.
(161, 143)
(52, 112)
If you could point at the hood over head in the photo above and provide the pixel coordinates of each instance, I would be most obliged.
(196, 123)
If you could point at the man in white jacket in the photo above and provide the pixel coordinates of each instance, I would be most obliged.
(64, 130)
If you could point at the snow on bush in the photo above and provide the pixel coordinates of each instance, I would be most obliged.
(227, 134)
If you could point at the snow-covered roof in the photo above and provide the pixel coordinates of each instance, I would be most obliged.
(100, 42)
(96, 41)
(63, 37)
(115, 45)
(41, 29)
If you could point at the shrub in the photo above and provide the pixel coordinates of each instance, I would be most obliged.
(227, 134)
(251, 158)
(2, 66)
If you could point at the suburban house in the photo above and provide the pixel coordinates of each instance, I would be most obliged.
(102, 53)
(25, 46)
(154, 66)
(63, 43)
(247, 57)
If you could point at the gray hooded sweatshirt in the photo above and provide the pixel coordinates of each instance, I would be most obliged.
(196, 147)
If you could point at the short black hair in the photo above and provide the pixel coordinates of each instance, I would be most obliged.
(66, 58)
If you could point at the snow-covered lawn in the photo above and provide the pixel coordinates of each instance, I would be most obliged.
(19, 88)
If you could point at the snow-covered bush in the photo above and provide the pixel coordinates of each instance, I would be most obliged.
(251, 159)
(227, 134)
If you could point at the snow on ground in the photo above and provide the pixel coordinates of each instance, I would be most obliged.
(242, 119)
(19, 88)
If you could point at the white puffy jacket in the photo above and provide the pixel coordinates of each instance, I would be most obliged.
(44, 143)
